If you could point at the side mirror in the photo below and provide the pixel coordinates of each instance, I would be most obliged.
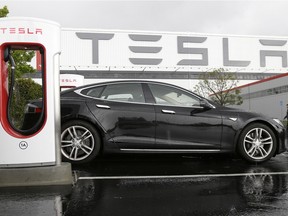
(205, 104)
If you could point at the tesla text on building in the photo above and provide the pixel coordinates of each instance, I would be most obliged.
(172, 51)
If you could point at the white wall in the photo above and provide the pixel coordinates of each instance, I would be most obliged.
(273, 105)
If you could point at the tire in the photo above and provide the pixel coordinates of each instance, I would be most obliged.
(80, 142)
(257, 143)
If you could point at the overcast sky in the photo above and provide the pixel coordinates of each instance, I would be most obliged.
(216, 17)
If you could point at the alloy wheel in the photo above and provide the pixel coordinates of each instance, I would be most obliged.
(258, 143)
(77, 143)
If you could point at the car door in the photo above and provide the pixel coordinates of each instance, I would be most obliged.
(181, 121)
(121, 110)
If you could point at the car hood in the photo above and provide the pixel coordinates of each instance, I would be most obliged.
(228, 111)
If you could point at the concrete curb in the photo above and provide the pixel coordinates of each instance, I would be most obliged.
(36, 176)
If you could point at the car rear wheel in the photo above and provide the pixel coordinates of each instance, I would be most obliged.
(80, 142)
(257, 143)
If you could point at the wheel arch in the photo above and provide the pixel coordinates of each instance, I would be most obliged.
(92, 122)
(259, 121)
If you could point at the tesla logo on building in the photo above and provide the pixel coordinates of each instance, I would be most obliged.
(268, 48)
(20, 30)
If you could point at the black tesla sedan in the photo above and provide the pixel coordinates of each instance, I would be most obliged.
(153, 117)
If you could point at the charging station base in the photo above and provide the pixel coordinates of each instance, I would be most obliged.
(36, 176)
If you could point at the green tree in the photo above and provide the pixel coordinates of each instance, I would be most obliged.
(4, 11)
(219, 85)
(22, 59)
(25, 90)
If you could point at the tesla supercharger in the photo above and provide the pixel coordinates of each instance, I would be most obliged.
(38, 144)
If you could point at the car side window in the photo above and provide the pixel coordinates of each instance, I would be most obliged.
(128, 92)
(166, 95)
(93, 92)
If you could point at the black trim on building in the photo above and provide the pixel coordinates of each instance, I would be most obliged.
(89, 74)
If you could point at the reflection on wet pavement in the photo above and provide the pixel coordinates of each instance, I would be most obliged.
(28, 201)
(257, 191)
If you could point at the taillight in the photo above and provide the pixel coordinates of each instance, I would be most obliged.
(38, 110)
(31, 108)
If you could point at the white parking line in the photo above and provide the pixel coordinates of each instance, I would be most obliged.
(179, 176)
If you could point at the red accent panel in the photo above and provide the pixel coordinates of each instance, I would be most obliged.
(4, 90)
(257, 82)
(262, 81)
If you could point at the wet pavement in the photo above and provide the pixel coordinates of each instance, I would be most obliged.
(127, 185)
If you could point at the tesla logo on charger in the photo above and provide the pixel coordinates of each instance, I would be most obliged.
(21, 31)
(68, 80)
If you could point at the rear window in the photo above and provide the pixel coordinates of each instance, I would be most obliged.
(93, 92)
(128, 92)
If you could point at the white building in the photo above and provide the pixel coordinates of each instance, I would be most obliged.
(179, 58)
(268, 96)
(173, 57)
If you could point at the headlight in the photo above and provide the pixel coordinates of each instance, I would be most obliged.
(278, 122)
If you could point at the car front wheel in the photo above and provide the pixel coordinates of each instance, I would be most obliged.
(257, 143)
(80, 142)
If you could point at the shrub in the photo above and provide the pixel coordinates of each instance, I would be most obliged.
(24, 91)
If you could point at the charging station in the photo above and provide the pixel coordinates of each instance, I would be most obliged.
(38, 145)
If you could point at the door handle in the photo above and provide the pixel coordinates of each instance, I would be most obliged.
(168, 111)
(102, 106)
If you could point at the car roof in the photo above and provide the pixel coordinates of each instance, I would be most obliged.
(120, 81)
(133, 81)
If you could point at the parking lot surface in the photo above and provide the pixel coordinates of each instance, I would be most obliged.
(170, 185)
